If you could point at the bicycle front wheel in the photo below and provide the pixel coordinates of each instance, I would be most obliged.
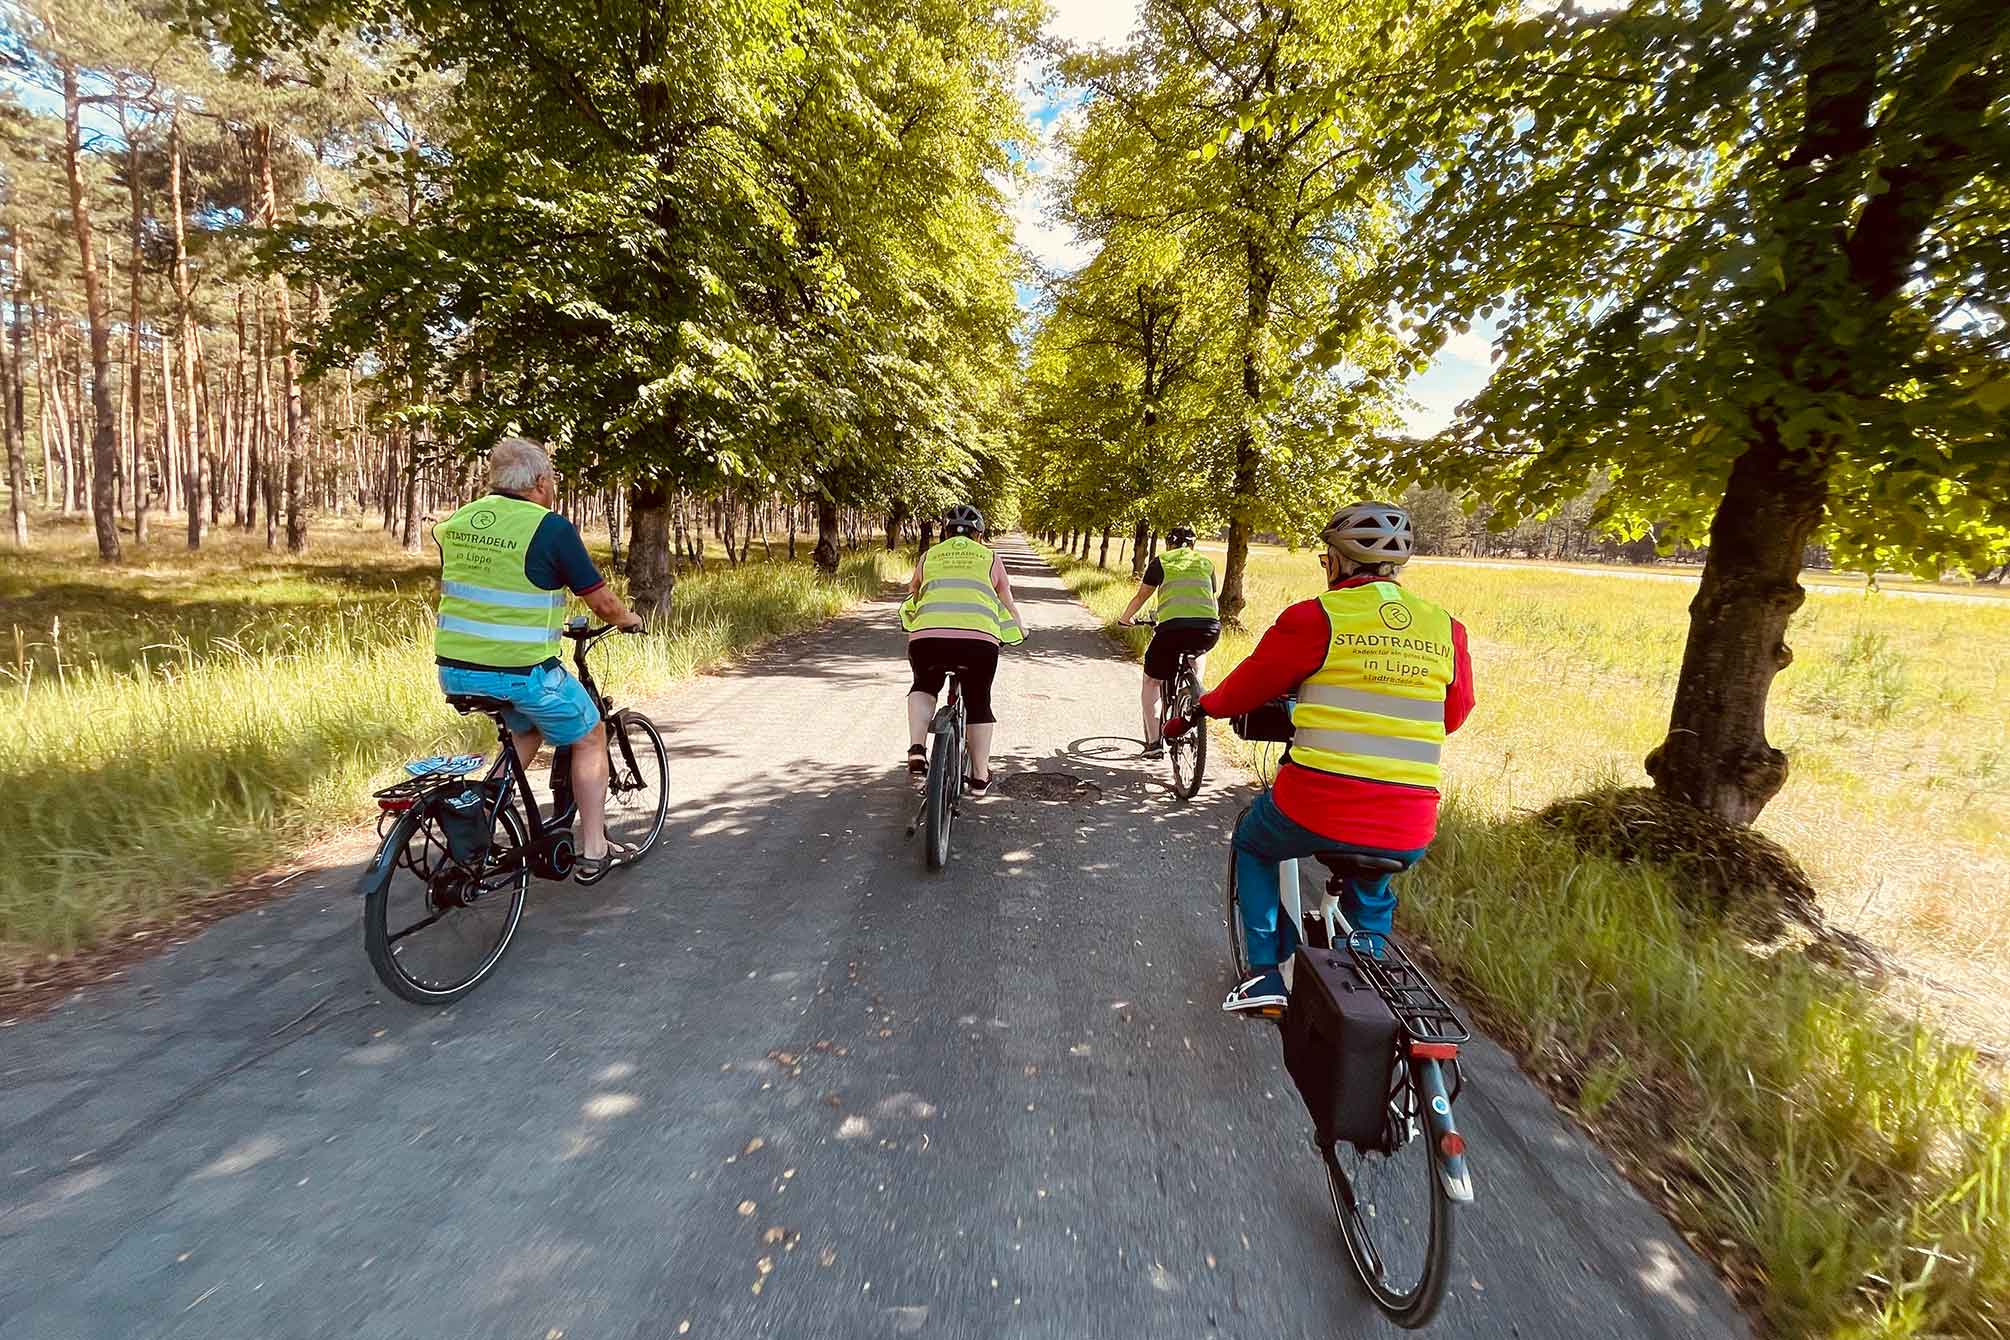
(1395, 1214)
(945, 775)
(433, 930)
(1188, 753)
(1238, 943)
(638, 777)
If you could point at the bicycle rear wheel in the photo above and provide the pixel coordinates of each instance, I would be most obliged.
(432, 930)
(1188, 753)
(1394, 1213)
(638, 776)
(945, 776)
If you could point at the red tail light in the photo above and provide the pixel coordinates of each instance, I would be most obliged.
(1435, 1051)
(394, 804)
(1452, 1144)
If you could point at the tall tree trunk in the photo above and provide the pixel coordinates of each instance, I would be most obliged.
(1103, 558)
(17, 410)
(195, 429)
(651, 576)
(296, 427)
(896, 516)
(614, 527)
(135, 380)
(1138, 537)
(1717, 756)
(105, 433)
(1259, 279)
(826, 553)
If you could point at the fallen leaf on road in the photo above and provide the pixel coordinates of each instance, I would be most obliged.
(908, 1320)
(766, 1265)
(753, 1145)
(747, 1207)
(827, 1257)
(774, 1235)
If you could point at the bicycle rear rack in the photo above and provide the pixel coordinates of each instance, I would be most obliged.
(1428, 1019)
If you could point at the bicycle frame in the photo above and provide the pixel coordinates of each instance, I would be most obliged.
(1426, 1061)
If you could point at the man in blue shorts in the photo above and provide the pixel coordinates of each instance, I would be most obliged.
(506, 560)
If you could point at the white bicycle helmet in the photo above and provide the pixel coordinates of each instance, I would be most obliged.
(1371, 533)
(963, 519)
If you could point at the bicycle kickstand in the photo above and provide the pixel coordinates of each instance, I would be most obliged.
(914, 824)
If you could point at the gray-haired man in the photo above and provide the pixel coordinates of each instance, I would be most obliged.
(506, 560)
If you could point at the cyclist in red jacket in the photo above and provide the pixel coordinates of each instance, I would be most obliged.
(1381, 677)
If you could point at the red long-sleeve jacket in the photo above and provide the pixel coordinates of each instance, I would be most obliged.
(1350, 810)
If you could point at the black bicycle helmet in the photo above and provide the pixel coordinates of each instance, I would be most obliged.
(963, 519)
(1180, 536)
(1371, 533)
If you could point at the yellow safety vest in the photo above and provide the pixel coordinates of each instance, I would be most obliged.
(1188, 590)
(956, 592)
(491, 613)
(1376, 708)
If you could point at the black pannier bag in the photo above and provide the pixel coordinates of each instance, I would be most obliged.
(1340, 1047)
(463, 816)
(1269, 723)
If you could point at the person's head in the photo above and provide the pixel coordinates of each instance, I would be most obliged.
(1181, 537)
(1367, 537)
(963, 519)
(520, 466)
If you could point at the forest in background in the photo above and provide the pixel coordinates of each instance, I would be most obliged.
(252, 274)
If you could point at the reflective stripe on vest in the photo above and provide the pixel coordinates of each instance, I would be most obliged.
(490, 611)
(1188, 589)
(956, 592)
(1376, 708)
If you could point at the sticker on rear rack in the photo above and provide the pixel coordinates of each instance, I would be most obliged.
(1440, 1106)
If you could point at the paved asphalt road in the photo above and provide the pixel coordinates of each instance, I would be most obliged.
(779, 1081)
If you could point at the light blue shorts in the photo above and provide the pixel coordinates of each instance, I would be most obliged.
(547, 699)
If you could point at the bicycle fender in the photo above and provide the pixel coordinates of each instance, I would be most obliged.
(1452, 1169)
(385, 863)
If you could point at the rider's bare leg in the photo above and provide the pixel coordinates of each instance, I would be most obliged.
(977, 742)
(527, 742)
(1148, 698)
(589, 790)
(920, 711)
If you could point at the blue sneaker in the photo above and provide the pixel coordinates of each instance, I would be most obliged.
(1265, 991)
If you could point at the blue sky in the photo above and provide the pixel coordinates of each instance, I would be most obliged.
(1460, 369)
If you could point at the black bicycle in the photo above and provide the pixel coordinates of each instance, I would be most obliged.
(444, 895)
(1177, 698)
(1393, 1193)
(942, 789)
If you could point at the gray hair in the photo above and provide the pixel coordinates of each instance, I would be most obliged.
(516, 464)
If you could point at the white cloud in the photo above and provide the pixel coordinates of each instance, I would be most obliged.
(1108, 22)
(1475, 346)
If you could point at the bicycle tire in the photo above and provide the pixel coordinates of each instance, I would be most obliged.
(1238, 943)
(635, 752)
(944, 773)
(379, 940)
(1188, 753)
(1412, 1300)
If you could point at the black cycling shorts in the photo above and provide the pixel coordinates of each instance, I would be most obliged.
(974, 661)
(1170, 640)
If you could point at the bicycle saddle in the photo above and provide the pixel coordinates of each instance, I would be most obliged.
(1353, 863)
(475, 702)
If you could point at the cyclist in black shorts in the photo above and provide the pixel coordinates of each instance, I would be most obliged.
(959, 609)
(1189, 620)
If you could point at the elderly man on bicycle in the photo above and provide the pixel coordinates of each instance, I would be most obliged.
(506, 560)
(1381, 676)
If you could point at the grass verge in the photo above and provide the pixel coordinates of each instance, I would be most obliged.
(1849, 1167)
(132, 786)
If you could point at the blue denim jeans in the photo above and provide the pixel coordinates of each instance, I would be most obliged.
(1265, 836)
